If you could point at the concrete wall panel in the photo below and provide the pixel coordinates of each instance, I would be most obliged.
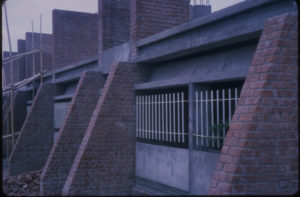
(163, 164)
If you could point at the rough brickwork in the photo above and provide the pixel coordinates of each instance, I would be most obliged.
(21, 61)
(113, 24)
(36, 138)
(6, 69)
(150, 17)
(260, 155)
(47, 46)
(71, 133)
(75, 36)
(104, 164)
(20, 101)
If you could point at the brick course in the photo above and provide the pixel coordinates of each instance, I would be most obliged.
(36, 138)
(71, 133)
(75, 36)
(104, 164)
(260, 154)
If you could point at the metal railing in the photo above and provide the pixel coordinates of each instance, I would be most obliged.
(161, 117)
(213, 112)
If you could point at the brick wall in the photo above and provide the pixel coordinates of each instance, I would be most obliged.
(260, 155)
(113, 24)
(47, 46)
(75, 36)
(21, 61)
(20, 101)
(6, 69)
(36, 138)
(71, 133)
(150, 17)
(104, 164)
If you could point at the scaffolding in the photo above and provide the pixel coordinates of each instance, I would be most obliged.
(9, 91)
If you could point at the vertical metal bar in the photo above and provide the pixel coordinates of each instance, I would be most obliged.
(218, 129)
(143, 116)
(140, 116)
(159, 117)
(170, 116)
(206, 113)
(149, 118)
(235, 97)
(202, 126)
(11, 79)
(182, 115)
(178, 117)
(174, 129)
(229, 105)
(163, 116)
(33, 61)
(197, 140)
(146, 118)
(152, 117)
(155, 116)
(223, 104)
(136, 116)
(41, 53)
(212, 116)
(167, 117)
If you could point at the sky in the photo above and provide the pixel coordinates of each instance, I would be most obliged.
(21, 13)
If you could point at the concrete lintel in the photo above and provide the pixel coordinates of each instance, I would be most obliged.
(214, 17)
(182, 82)
(234, 28)
(201, 44)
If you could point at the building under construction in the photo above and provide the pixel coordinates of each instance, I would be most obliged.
(157, 97)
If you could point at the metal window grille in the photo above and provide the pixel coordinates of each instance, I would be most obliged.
(162, 117)
(213, 112)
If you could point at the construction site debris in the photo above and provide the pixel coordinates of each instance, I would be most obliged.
(27, 184)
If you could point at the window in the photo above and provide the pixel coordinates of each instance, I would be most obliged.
(214, 106)
(162, 117)
(60, 112)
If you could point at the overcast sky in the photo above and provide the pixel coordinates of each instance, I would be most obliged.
(22, 12)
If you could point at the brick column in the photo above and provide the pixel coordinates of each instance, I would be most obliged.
(113, 24)
(75, 37)
(36, 137)
(104, 164)
(150, 17)
(260, 155)
(47, 46)
(70, 135)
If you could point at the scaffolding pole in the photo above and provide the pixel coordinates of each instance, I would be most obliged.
(16, 57)
(33, 61)
(11, 77)
(41, 53)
